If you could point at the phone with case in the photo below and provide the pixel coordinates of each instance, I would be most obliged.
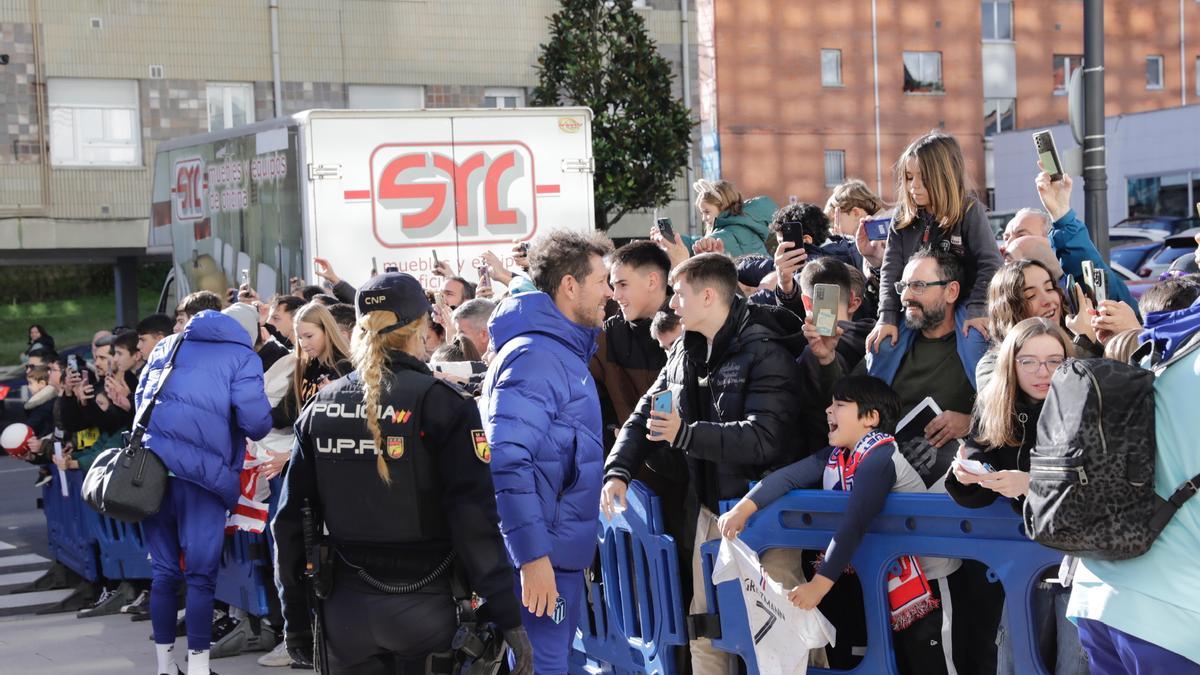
(826, 299)
(1043, 141)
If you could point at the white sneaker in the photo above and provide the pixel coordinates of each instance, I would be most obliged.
(277, 657)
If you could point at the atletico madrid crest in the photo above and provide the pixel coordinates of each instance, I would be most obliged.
(482, 450)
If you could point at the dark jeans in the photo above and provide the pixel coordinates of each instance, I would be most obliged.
(1057, 637)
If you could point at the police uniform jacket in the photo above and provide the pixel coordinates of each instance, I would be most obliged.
(441, 495)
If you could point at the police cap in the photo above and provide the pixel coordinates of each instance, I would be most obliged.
(393, 292)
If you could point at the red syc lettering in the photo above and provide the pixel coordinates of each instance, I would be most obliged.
(461, 174)
(389, 188)
(491, 186)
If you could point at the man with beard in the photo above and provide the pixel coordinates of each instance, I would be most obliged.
(931, 358)
(541, 417)
(934, 358)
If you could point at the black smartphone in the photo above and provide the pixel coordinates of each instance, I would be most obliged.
(1072, 303)
(1048, 153)
(436, 262)
(793, 231)
(666, 229)
(877, 228)
(390, 267)
(374, 267)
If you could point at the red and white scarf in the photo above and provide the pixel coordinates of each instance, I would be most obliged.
(909, 593)
(250, 514)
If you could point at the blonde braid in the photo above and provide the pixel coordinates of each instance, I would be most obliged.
(370, 360)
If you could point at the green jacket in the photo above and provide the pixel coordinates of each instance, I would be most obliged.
(745, 233)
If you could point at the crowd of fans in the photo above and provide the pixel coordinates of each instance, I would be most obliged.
(939, 310)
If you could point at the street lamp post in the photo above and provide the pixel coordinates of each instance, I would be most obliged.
(1095, 176)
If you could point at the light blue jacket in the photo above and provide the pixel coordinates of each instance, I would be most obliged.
(885, 363)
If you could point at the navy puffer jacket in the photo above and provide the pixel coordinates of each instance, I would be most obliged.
(542, 419)
(211, 404)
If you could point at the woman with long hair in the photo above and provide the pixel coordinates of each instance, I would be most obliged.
(936, 209)
(1024, 289)
(393, 464)
(1003, 436)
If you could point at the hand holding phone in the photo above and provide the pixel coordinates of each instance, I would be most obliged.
(1043, 141)
(666, 229)
(974, 466)
(662, 402)
(877, 228)
(826, 301)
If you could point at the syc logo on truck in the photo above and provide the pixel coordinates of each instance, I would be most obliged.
(425, 194)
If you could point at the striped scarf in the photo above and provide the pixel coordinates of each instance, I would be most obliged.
(909, 593)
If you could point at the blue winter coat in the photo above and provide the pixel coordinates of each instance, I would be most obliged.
(543, 424)
(212, 402)
(1072, 244)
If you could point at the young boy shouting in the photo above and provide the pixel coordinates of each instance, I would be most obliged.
(863, 460)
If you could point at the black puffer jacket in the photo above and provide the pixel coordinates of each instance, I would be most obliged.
(1005, 457)
(738, 405)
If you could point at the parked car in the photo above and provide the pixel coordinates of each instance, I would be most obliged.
(1135, 235)
(1169, 224)
(1133, 256)
(1174, 247)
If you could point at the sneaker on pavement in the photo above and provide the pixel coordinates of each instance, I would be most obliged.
(277, 657)
(110, 602)
(140, 604)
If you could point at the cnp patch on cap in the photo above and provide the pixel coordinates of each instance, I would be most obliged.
(482, 450)
(393, 292)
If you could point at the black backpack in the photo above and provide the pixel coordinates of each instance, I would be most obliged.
(1091, 487)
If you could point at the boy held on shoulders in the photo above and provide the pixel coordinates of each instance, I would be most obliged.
(862, 459)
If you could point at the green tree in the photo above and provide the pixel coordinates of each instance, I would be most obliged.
(600, 56)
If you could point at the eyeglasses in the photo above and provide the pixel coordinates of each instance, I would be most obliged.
(918, 287)
(1031, 366)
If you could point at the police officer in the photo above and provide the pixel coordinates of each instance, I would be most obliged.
(394, 463)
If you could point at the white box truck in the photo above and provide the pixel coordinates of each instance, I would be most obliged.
(368, 190)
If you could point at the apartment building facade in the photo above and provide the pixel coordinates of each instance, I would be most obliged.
(808, 94)
(91, 88)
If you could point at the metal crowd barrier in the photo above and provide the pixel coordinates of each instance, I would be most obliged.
(634, 614)
(96, 547)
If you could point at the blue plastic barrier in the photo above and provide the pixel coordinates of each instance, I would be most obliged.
(909, 524)
(68, 529)
(123, 553)
(634, 616)
(241, 581)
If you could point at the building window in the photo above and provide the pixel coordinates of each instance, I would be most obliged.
(503, 97)
(999, 114)
(1154, 72)
(229, 105)
(923, 73)
(835, 167)
(94, 122)
(1065, 65)
(1168, 195)
(997, 20)
(360, 96)
(831, 67)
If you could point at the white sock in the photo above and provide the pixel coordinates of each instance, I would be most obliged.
(166, 658)
(197, 662)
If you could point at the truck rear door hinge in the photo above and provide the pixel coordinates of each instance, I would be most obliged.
(585, 165)
(324, 171)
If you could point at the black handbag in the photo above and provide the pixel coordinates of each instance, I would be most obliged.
(128, 482)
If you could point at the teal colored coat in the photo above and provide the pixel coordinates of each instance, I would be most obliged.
(745, 233)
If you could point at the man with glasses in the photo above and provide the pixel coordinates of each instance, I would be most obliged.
(931, 358)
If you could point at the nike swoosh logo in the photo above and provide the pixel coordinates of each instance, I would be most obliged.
(584, 382)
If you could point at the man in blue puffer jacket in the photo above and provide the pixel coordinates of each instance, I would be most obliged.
(213, 401)
(543, 424)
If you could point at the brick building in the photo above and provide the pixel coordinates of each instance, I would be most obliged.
(796, 82)
(90, 89)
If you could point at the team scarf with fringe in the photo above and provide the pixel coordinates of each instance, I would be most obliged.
(909, 594)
